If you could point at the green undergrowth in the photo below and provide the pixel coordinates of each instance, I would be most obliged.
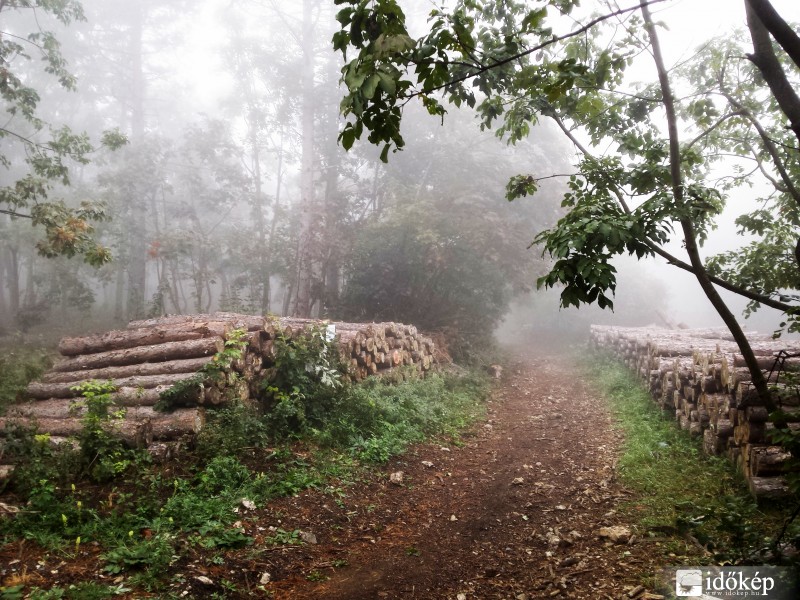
(699, 504)
(147, 518)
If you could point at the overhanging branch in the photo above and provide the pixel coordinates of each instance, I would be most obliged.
(581, 30)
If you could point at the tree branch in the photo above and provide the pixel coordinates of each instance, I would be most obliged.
(530, 51)
(778, 27)
(14, 213)
(767, 63)
(708, 131)
(769, 146)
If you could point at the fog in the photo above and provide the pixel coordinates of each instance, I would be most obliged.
(233, 194)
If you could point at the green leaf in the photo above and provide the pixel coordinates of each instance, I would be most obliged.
(370, 86)
(348, 136)
(387, 83)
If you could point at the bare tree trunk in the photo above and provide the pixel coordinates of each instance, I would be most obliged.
(690, 238)
(305, 253)
(12, 268)
(137, 259)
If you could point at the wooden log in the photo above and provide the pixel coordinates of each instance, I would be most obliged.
(239, 321)
(165, 321)
(139, 427)
(136, 434)
(723, 428)
(756, 414)
(712, 443)
(768, 460)
(66, 390)
(131, 338)
(189, 365)
(768, 488)
(155, 353)
(749, 433)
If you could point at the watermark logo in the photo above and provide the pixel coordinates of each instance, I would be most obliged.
(762, 583)
(689, 582)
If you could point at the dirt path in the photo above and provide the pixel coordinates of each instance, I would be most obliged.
(513, 513)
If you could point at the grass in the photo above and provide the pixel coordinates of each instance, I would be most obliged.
(679, 492)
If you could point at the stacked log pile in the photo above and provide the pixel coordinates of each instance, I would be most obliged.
(700, 377)
(167, 354)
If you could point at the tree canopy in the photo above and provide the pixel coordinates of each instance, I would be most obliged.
(38, 153)
(638, 182)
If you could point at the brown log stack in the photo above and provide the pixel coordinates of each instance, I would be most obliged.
(698, 376)
(150, 357)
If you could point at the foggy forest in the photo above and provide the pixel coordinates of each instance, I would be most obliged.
(245, 202)
(254, 253)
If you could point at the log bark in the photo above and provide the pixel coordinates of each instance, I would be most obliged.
(126, 338)
(136, 434)
(140, 426)
(155, 353)
(189, 365)
(65, 390)
(772, 488)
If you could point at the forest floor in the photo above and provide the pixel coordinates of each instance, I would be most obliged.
(512, 510)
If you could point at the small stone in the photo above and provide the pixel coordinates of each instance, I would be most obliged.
(461, 597)
(518, 481)
(615, 533)
(453, 518)
(569, 561)
(427, 463)
(396, 478)
(265, 578)
(444, 449)
(308, 537)
(204, 580)
(248, 504)
(522, 596)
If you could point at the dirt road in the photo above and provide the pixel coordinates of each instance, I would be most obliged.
(513, 513)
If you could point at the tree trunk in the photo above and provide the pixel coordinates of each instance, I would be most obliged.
(305, 255)
(690, 239)
(137, 258)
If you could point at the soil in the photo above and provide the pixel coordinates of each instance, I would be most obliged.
(512, 511)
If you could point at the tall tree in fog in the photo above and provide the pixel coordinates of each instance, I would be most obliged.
(298, 113)
(263, 99)
(127, 34)
(308, 210)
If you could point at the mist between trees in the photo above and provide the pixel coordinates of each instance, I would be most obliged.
(251, 206)
(234, 193)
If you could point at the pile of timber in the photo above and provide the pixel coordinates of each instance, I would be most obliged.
(150, 357)
(700, 377)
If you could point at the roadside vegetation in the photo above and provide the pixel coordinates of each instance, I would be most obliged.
(131, 519)
(691, 506)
